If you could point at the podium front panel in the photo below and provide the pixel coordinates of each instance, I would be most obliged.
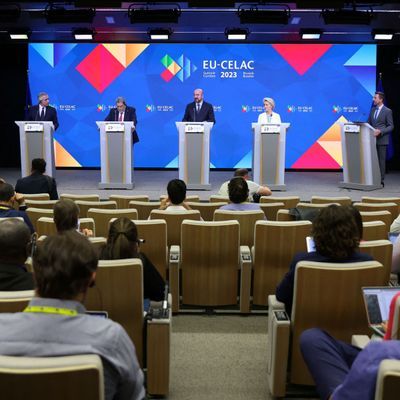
(115, 157)
(269, 160)
(354, 161)
(35, 147)
(194, 169)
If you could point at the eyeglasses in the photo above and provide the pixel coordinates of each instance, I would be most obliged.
(140, 241)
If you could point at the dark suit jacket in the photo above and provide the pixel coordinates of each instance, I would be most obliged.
(130, 115)
(206, 113)
(51, 115)
(15, 277)
(384, 122)
(285, 290)
(37, 183)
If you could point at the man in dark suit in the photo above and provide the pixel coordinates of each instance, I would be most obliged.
(37, 182)
(124, 113)
(43, 112)
(199, 110)
(381, 118)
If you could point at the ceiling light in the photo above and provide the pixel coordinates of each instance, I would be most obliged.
(160, 34)
(83, 34)
(19, 34)
(236, 34)
(157, 15)
(347, 17)
(310, 34)
(382, 34)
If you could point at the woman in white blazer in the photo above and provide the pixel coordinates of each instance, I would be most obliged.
(269, 117)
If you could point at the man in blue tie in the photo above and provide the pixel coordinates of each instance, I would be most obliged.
(199, 110)
(43, 111)
(381, 118)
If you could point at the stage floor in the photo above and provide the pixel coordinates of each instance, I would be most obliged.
(153, 183)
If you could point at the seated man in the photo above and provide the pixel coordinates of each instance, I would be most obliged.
(336, 236)
(238, 191)
(66, 217)
(14, 240)
(8, 201)
(342, 371)
(254, 188)
(175, 201)
(55, 323)
(37, 181)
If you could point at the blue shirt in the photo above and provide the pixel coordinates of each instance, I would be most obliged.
(360, 382)
(241, 207)
(8, 212)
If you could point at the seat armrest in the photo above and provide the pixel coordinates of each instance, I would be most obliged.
(174, 268)
(274, 304)
(245, 278)
(360, 341)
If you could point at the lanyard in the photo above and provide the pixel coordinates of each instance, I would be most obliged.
(51, 310)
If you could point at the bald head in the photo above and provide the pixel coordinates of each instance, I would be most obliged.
(14, 239)
(198, 95)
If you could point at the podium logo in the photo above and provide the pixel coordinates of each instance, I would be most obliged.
(150, 108)
(291, 108)
(336, 109)
(182, 69)
(245, 109)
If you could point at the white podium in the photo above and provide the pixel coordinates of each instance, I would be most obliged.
(360, 159)
(269, 152)
(116, 154)
(36, 141)
(194, 154)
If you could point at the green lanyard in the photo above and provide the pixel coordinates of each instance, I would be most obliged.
(51, 310)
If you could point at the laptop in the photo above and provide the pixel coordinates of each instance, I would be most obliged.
(377, 304)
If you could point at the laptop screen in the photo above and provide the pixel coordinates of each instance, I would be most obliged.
(377, 302)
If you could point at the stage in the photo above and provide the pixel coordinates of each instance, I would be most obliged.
(153, 183)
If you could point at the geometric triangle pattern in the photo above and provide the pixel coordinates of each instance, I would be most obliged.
(301, 57)
(61, 50)
(46, 50)
(63, 158)
(182, 68)
(314, 157)
(175, 163)
(246, 161)
(125, 53)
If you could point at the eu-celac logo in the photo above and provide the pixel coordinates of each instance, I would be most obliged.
(150, 108)
(291, 108)
(336, 109)
(182, 68)
(245, 108)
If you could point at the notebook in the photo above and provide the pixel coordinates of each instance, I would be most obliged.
(377, 304)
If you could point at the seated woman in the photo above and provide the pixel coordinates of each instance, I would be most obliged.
(123, 242)
(336, 236)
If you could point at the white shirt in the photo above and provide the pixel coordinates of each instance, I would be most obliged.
(174, 208)
(379, 110)
(41, 108)
(275, 118)
(253, 188)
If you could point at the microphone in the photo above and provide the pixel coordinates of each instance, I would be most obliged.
(194, 114)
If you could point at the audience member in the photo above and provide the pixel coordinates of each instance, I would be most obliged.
(37, 181)
(175, 201)
(342, 371)
(66, 217)
(255, 190)
(395, 227)
(9, 200)
(123, 242)
(238, 191)
(55, 323)
(14, 242)
(336, 237)
(2, 180)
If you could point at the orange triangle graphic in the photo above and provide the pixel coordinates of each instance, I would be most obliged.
(63, 158)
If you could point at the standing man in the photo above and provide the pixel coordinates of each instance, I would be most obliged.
(381, 118)
(199, 110)
(43, 112)
(124, 113)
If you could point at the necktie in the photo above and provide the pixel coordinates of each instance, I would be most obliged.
(376, 113)
(120, 116)
(42, 114)
(198, 107)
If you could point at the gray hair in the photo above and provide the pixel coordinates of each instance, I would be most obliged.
(41, 95)
(120, 99)
(269, 100)
(14, 238)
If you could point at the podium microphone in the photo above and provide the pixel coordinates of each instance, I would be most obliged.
(194, 114)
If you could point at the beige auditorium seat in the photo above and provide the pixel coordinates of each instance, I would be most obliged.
(47, 227)
(123, 201)
(374, 230)
(78, 377)
(247, 221)
(206, 209)
(393, 208)
(84, 206)
(174, 222)
(271, 210)
(381, 251)
(102, 218)
(119, 291)
(36, 196)
(98, 243)
(327, 296)
(40, 203)
(384, 216)
(368, 199)
(219, 199)
(81, 197)
(154, 232)
(288, 201)
(15, 301)
(35, 213)
(343, 200)
(275, 245)
(388, 380)
(208, 262)
(192, 198)
(283, 215)
(144, 208)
